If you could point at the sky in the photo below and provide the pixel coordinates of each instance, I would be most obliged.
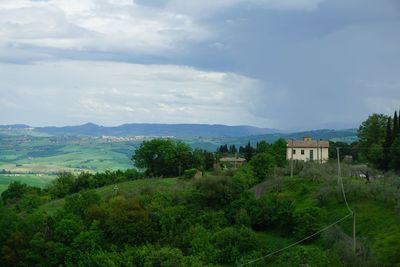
(282, 64)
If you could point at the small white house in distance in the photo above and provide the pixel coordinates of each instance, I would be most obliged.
(308, 150)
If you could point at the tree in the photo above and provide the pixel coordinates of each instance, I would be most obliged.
(163, 157)
(248, 151)
(63, 185)
(279, 150)
(396, 127)
(387, 145)
(263, 164)
(14, 192)
(232, 149)
(395, 154)
(263, 147)
(209, 160)
(371, 135)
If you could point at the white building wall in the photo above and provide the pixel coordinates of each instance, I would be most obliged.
(306, 156)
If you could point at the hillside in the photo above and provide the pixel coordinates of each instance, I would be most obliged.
(313, 192)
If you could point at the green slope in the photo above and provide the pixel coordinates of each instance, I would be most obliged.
(126, 188)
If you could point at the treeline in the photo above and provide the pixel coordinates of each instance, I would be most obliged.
(167, 158)
(65, 184)
(379, 141)
(278, 149)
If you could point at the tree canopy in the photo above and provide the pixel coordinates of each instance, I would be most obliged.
(163, 157)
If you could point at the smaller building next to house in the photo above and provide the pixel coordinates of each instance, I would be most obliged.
(308, 150)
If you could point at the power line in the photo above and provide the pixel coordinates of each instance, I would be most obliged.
(351, 213)
(298, 242)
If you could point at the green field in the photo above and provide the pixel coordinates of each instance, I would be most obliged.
(38, 180)
(32, 154)
(36, 160)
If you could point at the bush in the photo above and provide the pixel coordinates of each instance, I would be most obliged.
(218, 190)
(232, 243)
(190, 173)
(307, 221)
(263, 164)
(244, 175)
(271, 212)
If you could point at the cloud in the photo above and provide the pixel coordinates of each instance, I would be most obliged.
(275, 63)
(115, 93)
(207, 7)
(42, 30)
(93, 25)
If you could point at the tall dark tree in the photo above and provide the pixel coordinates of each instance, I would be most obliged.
(396, 129)
(263, 147)
(279, 150)
(232, 149)
(387, 145)
(248, 151)
(395, 155)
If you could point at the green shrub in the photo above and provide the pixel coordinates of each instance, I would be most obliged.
(190, 173)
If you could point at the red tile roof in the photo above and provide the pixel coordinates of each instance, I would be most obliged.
(308, 144)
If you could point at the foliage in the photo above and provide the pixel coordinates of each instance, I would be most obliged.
(221, 219)
(279, 152)
(215, 191)
(163, 157)
(263, 164)
(190, 173)
(371, 135)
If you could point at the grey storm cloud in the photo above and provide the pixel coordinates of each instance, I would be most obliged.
(289, 64)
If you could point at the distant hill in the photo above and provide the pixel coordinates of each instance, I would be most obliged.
(14, 126)
(196, 133)
(346, 135)
(148, 129)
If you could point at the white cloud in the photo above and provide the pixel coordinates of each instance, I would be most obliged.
(205, 7)
(94, 25)
(112, 26)
(114, 93)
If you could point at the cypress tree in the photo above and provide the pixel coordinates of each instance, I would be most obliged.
(248, 151)
(395, 148)
(387, 145)
(395, 126)
(398, 126)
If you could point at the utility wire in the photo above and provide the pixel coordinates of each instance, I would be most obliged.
(298, 242)
(351, 213)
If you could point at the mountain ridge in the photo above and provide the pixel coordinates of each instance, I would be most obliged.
(234, 134)
(179, 130)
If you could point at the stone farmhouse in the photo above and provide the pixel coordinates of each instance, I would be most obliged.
(308, 150)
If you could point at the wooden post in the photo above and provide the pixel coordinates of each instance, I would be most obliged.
(354, 233)
(338, 160)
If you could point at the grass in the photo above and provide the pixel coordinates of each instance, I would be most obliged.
(3, 187)
(125, 188)
(38, 180)
(32, 154)
(33, 159)
(377, 224)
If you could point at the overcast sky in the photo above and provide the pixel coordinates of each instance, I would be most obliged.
(285, 64)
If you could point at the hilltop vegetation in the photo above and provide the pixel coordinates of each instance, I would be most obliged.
(182, 207)
(225, 218)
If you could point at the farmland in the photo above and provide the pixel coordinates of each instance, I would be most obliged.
(36, 160)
